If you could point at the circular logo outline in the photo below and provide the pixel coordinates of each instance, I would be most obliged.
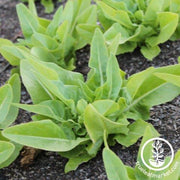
(172, 154)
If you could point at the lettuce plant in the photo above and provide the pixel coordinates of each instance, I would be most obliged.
(74, 116)
(48, 4)
(116, 170)
(141, 23)
(9, 93)
(56, 40)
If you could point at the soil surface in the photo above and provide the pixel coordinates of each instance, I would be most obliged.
(49, 165)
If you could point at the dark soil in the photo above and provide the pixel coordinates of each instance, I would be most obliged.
(49, 165)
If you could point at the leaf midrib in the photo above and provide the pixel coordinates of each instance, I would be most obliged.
(143, 96)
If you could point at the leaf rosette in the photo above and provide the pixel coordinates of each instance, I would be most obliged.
(139, 23)
(74, 116)
(55, 40)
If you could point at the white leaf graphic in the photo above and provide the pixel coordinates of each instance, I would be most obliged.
(158, 156)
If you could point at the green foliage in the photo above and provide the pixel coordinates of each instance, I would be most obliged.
(9, 93)
(172, 78)
(53, 40)
(48, 4)
(114, 167)
(116, 170)
(9, 151)
(50, 136)
(140, 23)
(74, 116)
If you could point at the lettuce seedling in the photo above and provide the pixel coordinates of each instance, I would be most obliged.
(48, 4)
(74, 116)
(116, 170)
(144, 24)
(54, 40)
(9, 93)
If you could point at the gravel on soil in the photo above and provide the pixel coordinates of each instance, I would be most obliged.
(49, 165)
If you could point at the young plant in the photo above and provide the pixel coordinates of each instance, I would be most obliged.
(144, 24)
(9, 93)
(48, 4)
(56, 40)
(74, 116)
(116, 170)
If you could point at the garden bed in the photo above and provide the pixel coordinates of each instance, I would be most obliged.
(49, 165)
